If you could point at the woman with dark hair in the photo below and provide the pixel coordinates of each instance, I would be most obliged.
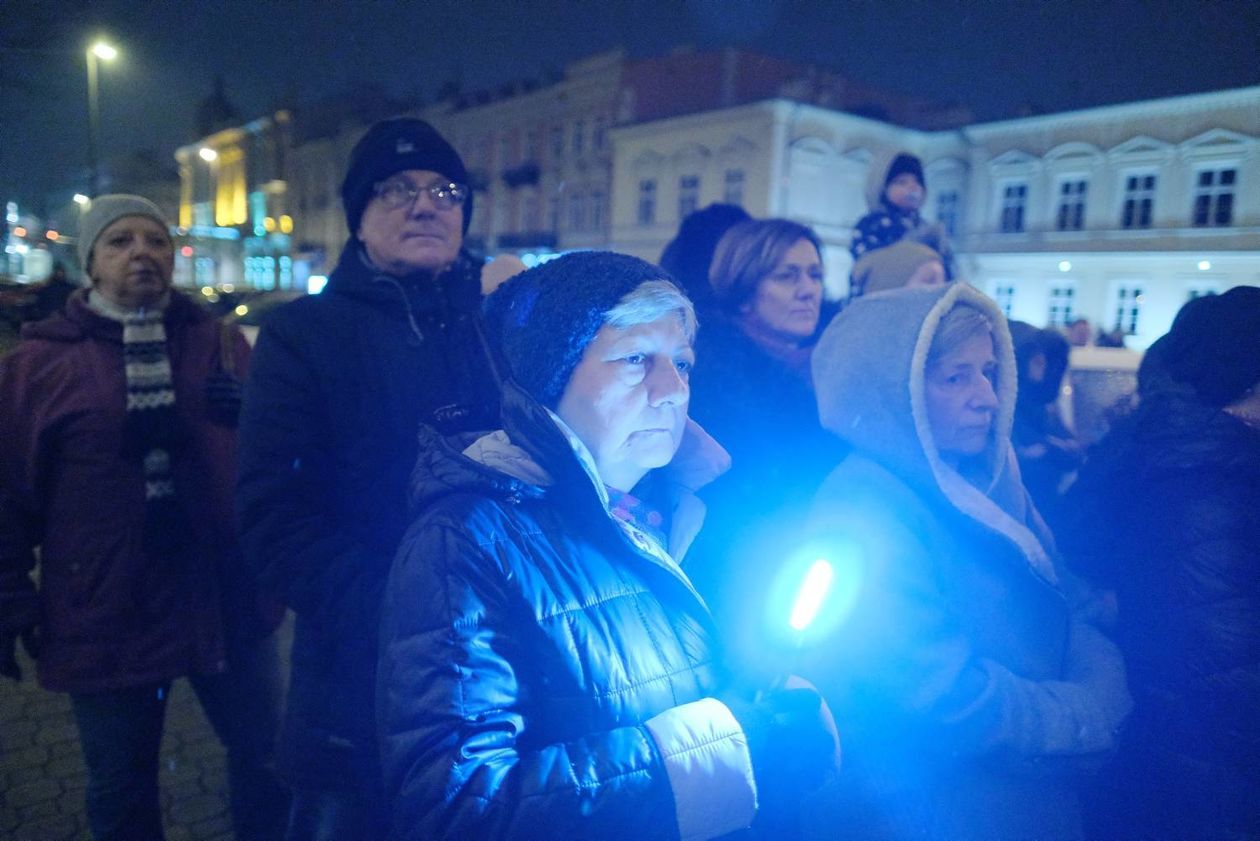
(547, 670)
(688, 255)
(973, 693)
(752, 392)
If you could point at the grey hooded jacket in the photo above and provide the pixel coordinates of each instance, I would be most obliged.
(969, 692)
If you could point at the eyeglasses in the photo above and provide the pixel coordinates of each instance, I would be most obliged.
(401, 193)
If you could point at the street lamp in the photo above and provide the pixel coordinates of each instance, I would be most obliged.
(96, 53)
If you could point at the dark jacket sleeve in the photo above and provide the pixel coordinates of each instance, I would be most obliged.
(1206, 659)
(19, 517)
(291, 534)
(455, 682)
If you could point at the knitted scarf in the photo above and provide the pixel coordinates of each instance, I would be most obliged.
(152, 425)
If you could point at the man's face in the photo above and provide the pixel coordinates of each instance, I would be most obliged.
(788, 301)
(960, 397)
(627, 398)
(132, 262)
(905, 192)
(420, 236)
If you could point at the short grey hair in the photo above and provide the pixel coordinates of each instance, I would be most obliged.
(962, 323)
(649, 301)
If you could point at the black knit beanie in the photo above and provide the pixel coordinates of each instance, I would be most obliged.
(1214, 345)
(541, 320)
(392, 146)
(905, 162)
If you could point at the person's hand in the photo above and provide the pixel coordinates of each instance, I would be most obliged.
(793, 746)
(223, 398)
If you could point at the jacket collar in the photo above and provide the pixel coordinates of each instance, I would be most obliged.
(80, 321)
(357, 277)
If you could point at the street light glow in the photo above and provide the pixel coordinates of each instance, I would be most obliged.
(104, 52)
(207, 154)
(79, 198)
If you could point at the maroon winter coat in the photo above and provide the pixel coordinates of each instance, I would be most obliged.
(113, 616)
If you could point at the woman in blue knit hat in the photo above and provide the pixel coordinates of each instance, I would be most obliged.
(547, 669)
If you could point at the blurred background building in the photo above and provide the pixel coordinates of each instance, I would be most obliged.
(1115, 214)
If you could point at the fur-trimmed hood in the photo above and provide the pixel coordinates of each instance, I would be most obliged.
(869, 376)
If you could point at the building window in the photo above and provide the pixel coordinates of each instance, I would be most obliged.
(1003, 292)
(579, 136)
(647, 201)
(1014, 199)
(1214, 198)
(1071, 214)
(531, 145)
(1128, 309)
(557, 142)
(688, 195)
(733, 187)
(1139, 199)
(1202, 290)
(1062, 304)
(597, 210)
(577, 212)
(947, 211)
(600, 136)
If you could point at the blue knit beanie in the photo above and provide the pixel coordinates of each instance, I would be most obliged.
(541, 320)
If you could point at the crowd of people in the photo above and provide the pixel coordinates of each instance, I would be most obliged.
(536, 525)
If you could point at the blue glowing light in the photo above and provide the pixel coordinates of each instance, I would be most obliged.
(810, 597)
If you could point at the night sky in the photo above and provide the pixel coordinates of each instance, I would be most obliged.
(994, 56)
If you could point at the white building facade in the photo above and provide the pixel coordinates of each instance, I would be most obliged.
(1117, 214)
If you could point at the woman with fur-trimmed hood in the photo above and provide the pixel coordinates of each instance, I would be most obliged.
(971, 696)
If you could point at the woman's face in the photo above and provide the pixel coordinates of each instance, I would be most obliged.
(788, 300)
(627, 398)
(961, 400)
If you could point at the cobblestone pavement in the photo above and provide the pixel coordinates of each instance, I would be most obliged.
(42, 777)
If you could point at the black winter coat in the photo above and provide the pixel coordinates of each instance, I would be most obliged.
(542, 667)
(1168, 514)
(339, 386)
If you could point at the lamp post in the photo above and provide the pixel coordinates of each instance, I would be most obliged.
(96, 53)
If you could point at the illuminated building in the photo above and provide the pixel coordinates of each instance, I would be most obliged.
(1117, 214)
(233, 208)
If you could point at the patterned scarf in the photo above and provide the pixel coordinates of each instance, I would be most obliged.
(152, 430)
(632, 510)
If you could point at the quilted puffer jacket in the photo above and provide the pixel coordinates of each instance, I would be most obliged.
(547, 670)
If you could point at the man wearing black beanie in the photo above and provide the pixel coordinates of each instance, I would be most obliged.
(339, 386)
